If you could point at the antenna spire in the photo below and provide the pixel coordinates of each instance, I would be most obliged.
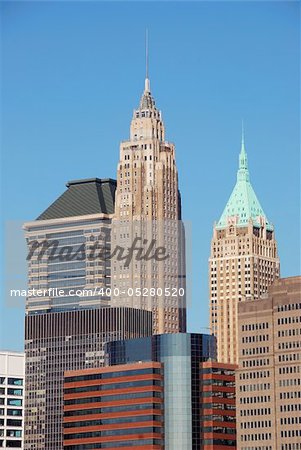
(147, 83)
(242, 133)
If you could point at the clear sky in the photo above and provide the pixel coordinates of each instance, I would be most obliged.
(72, 72)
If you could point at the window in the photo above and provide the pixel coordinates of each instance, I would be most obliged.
(15, 381)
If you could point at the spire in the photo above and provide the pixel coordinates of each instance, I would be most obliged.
(147, 101)
(243, 202)
(243, 172)
(147, 82)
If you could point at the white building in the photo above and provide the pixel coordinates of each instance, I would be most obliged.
(11, 399)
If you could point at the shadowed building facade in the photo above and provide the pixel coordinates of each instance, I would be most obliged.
(243, 262)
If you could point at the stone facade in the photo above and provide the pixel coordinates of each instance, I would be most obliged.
(243, 262)
(268, 379)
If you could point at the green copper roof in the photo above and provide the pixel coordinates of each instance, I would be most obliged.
(243, 202)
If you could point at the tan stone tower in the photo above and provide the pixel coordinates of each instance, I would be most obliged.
(243, 260)
(148, 213)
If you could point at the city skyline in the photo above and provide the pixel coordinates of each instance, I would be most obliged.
(263, 166)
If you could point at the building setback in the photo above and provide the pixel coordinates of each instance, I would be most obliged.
(269, 374)
(218, 416)
(11, 399)
(243, 262)
(158, 377)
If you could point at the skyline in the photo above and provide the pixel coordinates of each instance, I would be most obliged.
(25, 89)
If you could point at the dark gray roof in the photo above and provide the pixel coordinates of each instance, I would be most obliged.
(83, 197)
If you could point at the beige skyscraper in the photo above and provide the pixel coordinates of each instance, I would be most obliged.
(243, 260)
(148, 213)
(268, 380)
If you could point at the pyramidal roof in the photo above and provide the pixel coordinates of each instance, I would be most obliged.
(83, 197)
(243, 202)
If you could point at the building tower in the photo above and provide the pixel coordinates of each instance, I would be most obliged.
(148, 210)
(243, 260)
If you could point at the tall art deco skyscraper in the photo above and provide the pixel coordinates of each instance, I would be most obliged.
(148, 213)
(243, 260)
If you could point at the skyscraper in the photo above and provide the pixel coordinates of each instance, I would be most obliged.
(148, 212)
(243, 260)
(68, 316)
(268, 378)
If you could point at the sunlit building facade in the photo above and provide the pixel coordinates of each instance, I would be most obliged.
(269, 373)
(243, 262)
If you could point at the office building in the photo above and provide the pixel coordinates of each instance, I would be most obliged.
(68, 248)
(148, 212)
(68, 317)
(269, 374)
(11, 399)
(218, 411)
(60, 341)
(147, 396)
(243, 262)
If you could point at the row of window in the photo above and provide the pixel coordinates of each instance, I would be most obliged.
(291, 446)
(290, 433)
(290, 382)
(289, 395)
(255, 338)
(256, 424)
(252, 375)
(255, 326)
(115, 374)
(122, 432)
(121, 420)
(290, 420)
(290, 357)
(11, 401)
(290, 407)
(289, 320)
(120, 385)
(109, 409)
(255, 351)
(254, 387)
(256, 362)
(255, 412)
(11, 412)
(256, 437)
(110, 398)
(257, 399)
(11, 381)
(289, 307)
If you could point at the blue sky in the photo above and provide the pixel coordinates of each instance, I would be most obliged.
(72, 72)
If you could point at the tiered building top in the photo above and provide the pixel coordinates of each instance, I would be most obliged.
(243, 202)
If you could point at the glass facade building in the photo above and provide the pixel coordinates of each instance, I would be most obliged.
(179, 358)
(68, 249)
